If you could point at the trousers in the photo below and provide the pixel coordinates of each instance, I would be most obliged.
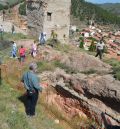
(31, 103)
(99, 52)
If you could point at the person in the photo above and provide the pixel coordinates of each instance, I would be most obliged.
(1, 31)
(34, 49)
(100, 47)
(14, 50)
(22, 52)
(31, 84)
(13, 29)
(42, 38)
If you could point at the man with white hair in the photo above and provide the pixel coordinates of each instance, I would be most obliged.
(31, 84)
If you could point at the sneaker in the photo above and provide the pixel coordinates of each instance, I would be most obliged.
(11, 57)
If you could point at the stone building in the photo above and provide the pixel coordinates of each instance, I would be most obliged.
(49, 15)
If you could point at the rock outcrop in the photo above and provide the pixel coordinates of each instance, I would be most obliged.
(89, 93)
(84, 62)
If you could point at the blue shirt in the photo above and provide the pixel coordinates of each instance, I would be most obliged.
(31, 81)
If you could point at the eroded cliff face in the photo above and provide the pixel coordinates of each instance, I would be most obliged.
(84, 98)
(86, 95)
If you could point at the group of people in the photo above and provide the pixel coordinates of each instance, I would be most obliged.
(29, 78)
(22, 51)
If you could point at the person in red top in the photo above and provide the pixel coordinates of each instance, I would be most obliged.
(22, 51)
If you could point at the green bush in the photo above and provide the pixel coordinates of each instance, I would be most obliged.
(22, 9)
(115, 67)
(1, 7)
(45, 66)
(81, 42)
(90, 71)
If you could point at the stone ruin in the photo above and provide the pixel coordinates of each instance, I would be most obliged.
(47, 16)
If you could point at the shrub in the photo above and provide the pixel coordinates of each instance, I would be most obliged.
(90, 71)
(45, 66)
(81, 42)
(22, 9)
(115, 67)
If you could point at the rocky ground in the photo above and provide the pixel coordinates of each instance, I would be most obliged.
(88, 90)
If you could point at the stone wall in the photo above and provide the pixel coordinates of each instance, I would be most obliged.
(35, 16)
(49, 15)
(60, 18)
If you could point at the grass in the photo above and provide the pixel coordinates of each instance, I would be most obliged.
(13, 116)
(115, 67)
(90, 71)
(17, 36)
(58, 46)
(45, 66)
(11, 2)
(51, 66)
(12, 110)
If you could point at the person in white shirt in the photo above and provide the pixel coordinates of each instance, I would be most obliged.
(14, 50)
(42, 38)
(100, 47)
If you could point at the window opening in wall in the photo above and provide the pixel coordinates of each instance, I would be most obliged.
(49, 16)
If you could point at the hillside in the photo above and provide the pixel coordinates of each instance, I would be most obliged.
(79, 90)
(5, 4)
(83, 11)
(113, 8)
(73, 94)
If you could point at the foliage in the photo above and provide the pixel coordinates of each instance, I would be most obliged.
(45, 66)
(16, 36)
(91, 71)
(111, 7)
(64, 66)
(115, 67)
(22, 9)
(13, 115)
(1, 7)
(9, 4)
(81, 42)
(50, 66)
(83, 10)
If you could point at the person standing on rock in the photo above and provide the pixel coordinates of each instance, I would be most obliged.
(99, 48)
(31, 84)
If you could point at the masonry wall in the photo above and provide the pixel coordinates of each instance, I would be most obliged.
(48, 15)
(60, 18)
(35, 17)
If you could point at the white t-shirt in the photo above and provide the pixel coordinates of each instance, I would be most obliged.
(100, 46)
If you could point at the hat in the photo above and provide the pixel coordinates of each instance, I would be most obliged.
(33, 66)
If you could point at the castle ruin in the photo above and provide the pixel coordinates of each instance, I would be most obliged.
(47, 16)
